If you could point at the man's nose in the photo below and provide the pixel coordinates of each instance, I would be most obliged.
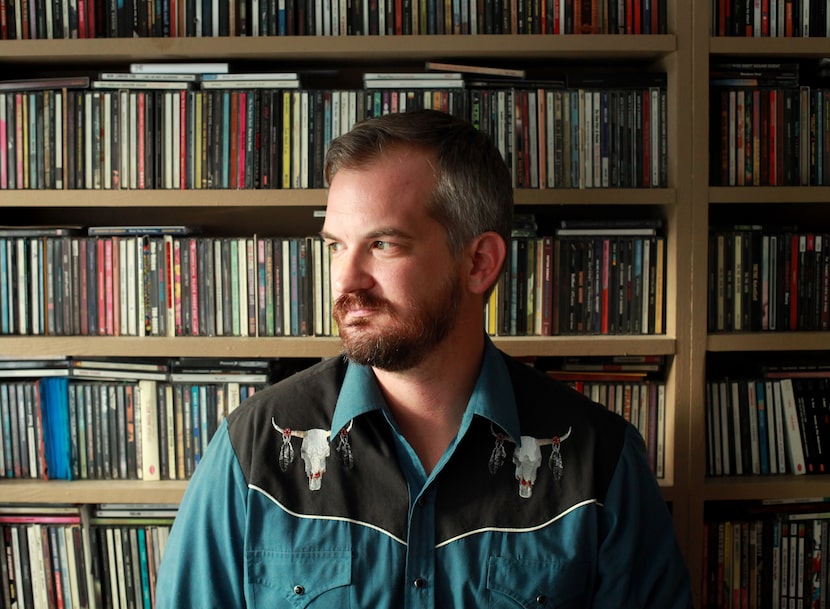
(350, 272)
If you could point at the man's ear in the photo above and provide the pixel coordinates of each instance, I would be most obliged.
(487, 253)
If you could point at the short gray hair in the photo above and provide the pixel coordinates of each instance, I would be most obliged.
(473, 191)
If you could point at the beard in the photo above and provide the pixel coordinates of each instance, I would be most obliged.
(408, 338)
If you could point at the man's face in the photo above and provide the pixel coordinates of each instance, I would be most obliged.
(396, 286)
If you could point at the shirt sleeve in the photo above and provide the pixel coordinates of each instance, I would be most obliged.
(203, 561)
(640, 563)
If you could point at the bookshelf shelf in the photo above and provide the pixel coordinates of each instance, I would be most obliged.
(92, 491)
(765, 49)
(587, 345)
(337, 49)
(779, 195)
(117, 491)
(753, 488)
(307, 346)
(768, 341)
(315, 198)
(597, 196)
(207, 198)
(195, 346)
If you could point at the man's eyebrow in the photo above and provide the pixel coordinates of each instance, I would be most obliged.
(374, 234)
(389, 232)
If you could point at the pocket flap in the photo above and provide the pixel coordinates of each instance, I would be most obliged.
(536, 583)
(300, 577)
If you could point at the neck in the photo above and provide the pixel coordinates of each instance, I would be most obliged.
(428, 401)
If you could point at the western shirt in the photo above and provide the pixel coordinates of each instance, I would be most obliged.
(543, 499)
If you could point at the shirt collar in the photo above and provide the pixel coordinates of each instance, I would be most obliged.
(492, 396)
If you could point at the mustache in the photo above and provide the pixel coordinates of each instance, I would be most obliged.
(357, 300)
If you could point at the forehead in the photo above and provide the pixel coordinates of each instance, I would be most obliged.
(394, 187)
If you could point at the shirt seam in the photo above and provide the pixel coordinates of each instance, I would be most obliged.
(368, 525)
(559, 516)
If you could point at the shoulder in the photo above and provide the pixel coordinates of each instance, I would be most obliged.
(304, 400)
(316, 386)
(590, 434)
(541, 400)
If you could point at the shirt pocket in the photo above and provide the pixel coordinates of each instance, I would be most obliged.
(539, 584)
(303, 580)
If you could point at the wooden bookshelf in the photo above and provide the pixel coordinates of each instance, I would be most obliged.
(708, 203)
(683, 204)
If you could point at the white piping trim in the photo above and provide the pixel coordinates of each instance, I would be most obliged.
(519, 530)
(333, 518)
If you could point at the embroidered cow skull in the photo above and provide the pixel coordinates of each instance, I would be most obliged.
(314, 451)
(527, 457)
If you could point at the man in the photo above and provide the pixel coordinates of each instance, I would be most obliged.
(435, 471)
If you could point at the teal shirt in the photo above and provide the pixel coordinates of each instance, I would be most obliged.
(386, 534)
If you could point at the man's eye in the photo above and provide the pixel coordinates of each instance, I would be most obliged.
(333, 246)
(382, 245)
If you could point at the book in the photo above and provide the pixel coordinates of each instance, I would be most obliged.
(792, 428)
(250, 83)
(141, 84)
(135, 510)
(167, 76)
(150, 456)
(148, 229)
(180, 68)
(214, 364)
(39, 84)
(437, 66)
(39, 231)
(411, 76)
(137, 365)
(632, 228)
(412, 80)
(114, 374)
(34, 369)
(218, 377)
(272, 76)
(644, 363)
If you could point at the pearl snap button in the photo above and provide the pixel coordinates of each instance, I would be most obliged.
(299, 590)
(420, 582)
(541, 599)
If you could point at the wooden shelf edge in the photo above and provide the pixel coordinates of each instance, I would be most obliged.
(198, 198)
(521, 346)
(335, 49)
(313, 198)
(184, 346)
(91, 491)
(779, 195)
(773, 47)
(596, 196)
(306, 346)
(83, 492)
(768, 341)
(786, 487)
